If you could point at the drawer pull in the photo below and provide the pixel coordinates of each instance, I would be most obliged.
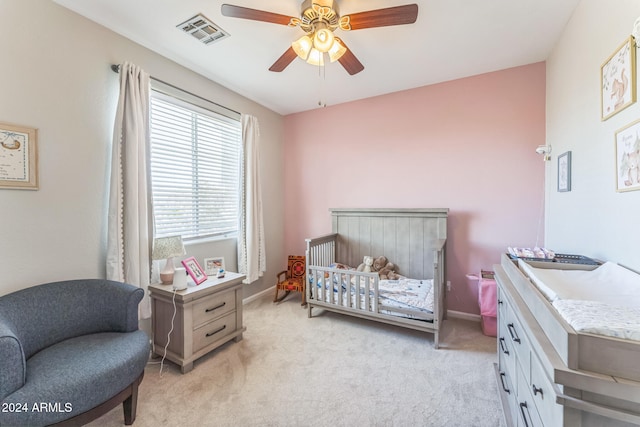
(504, 386)
(216, 331)
(537, 390)
(523, 407)
(503, 346)
(500, 302)
(512, 331)
(208, 310)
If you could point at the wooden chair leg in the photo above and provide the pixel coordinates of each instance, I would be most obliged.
(275, 299)
(130, 406)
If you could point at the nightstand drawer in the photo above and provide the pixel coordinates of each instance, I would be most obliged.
(212, 307)
(211, 332)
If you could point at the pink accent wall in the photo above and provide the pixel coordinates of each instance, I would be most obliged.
(467, 145)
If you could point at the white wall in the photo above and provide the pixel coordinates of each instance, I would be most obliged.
(593, 219)
(55, 76)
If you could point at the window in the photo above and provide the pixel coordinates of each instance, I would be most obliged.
(195, 169)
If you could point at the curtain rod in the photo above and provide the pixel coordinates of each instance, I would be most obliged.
(116, 69)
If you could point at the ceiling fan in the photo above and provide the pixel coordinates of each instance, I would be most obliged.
(319, 19)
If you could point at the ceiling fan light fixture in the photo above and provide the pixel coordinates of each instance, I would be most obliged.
(323, 39)
(302, 46)
(316, 58)
(337, 50)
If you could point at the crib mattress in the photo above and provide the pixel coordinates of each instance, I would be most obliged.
(604, 301)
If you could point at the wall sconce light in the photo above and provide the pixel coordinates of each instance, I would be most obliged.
(545, 150)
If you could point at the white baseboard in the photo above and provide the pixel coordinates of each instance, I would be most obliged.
(464, 316)
(258, 295)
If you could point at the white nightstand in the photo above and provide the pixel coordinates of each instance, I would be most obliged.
(207, 316)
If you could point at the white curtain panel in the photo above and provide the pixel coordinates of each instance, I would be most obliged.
(251, 246)
(129, 223)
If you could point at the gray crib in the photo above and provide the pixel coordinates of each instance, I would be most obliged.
(413, 239)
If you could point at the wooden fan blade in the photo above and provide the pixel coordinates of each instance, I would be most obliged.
(397, 15)
(350, 62)
(284, 60)
(254, 14)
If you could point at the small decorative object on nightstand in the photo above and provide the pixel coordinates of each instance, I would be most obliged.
(167, 248)
(206, 316)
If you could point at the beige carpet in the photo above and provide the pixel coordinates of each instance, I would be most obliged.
(330, 370)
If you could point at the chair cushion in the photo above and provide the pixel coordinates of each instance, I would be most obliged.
(290, 285)
(62, 379)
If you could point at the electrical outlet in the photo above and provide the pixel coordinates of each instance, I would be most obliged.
(448, 286)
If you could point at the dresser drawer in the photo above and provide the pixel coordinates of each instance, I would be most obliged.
(507, 370)
(506, 353)
(506, 387)
(527, 413)
(520, 343)
(213, 331)
(502, 303)
(213, 306)
(544, 395)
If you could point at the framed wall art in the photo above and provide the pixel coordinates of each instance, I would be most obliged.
(194, 270)
(213, 265)
(564, 172)
(18, 157)
(628, 157)
(618, 79)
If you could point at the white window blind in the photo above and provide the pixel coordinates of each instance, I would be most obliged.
(195, 167)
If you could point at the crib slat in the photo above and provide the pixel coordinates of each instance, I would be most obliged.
(323, 288)
(314, 287)
(376, 300)
(367, 298)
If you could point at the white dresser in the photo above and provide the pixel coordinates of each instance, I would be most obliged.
(536, 387)
(207, 316)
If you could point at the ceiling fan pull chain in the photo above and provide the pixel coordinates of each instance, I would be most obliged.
(322, 76)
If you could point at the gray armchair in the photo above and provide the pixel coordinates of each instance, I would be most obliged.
(70, 352)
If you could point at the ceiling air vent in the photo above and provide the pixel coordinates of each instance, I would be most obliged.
(203, 29)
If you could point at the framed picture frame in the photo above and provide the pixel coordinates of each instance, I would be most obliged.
(195, 271)
(628, 157)
(212, 265)
(18, 157)
(564, 172)
(618, 79)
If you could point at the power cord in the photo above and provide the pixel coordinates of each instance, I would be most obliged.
(173, 301)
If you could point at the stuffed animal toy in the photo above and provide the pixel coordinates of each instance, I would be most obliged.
(385, 269)
(380, 263)
(367, 262)
(338, 266)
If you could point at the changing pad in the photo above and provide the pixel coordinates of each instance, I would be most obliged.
(609, 283)
(604, 301)
(599, 318)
